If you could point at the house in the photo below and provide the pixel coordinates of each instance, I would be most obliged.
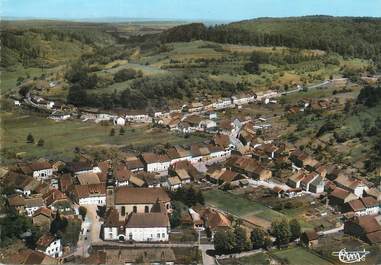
(295, 179)
(89, 194)
(221, 140)
(42, 217)
(301, 159)
(198, 223)
(64, 182)
(363, 206)
(148, 227)
(317, 185)
(88, 178)
(120, 121)
(80, 167)
(295, 192)
(139, 118)
(365, 228)
(33, 204)
(215, 221)
(28, 256)
(57, 200)
(340, 196)
(58, 115)
(122, 175)
(190, 169)
(49, 245)
(225, 126)
(207, 125)
(247, 138)
(173, 183)
(154, 162)
(307, 180)
(309, 238)
(223, 104)
(41, 170)
(374, 192)
(178, 153)
(17, 202)
(250, 167)
(353, 185)
(134, 164)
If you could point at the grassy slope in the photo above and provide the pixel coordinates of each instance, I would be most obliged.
(299, 256)
(238, 205)
(61, 137)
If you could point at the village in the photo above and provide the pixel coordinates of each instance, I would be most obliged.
(243, 177)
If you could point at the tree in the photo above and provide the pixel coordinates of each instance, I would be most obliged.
(40, 142)
(82, 212)
(241, 241)
(112, 132)
(175, 218)
(30, 139)
(281, 231)
(295, 229)
(121, 131)
(258, 237)
(125, 74)
(224, 241)
(58, 224)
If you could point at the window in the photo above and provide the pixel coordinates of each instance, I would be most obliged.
(135, 209)
(130, 236)
(146, 209)
(163, 235)
(123, 211)
(158, 235)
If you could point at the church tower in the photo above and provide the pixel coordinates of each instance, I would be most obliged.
(110, 189)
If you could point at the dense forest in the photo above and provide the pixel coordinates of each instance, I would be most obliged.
(352, 37)
(37, 47)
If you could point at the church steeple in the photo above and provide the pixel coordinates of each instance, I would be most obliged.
(110, 187)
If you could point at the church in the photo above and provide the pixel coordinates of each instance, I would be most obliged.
(136, 214)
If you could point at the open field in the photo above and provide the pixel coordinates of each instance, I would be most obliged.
(300, 256)
(257, 259)
(238, 205)
(9, 78)
(62, 137)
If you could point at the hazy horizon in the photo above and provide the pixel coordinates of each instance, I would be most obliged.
(182, 10)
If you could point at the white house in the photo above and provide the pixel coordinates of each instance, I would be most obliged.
(33, 204)
(223, 104)
(50, 105)
(120, 121)
(17, 103)
(49, 245)
(148, 227)
(143, 118)
(155, 163)
(207, 125)
(94, 194)
(41, 170)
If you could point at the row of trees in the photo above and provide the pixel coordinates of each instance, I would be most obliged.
(236, 240)
(145, 92)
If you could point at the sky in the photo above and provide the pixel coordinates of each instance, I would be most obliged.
(226, 10)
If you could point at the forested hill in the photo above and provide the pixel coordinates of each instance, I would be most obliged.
(348, 36)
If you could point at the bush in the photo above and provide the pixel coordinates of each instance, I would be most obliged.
(125, 74)
(30, 139)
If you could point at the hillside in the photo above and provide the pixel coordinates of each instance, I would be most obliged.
(348, 36)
